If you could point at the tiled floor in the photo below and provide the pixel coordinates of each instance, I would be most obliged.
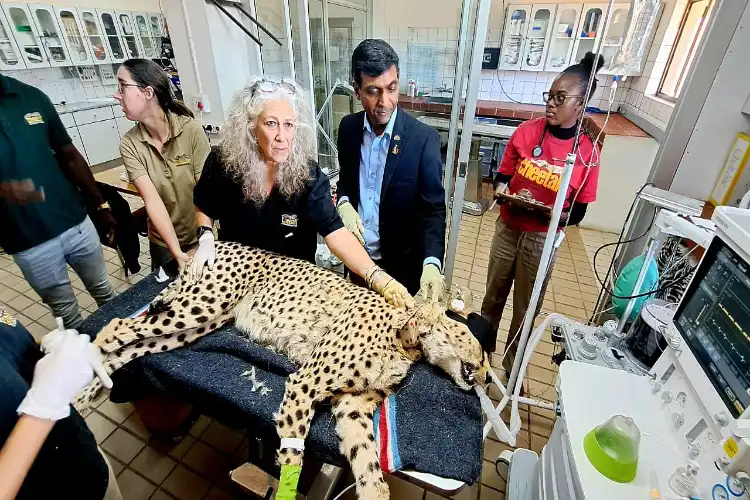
(196, 468)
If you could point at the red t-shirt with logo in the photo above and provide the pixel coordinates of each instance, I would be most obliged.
(540, 177)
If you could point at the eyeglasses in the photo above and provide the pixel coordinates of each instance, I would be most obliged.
(121, 86)
(271, 86)
(557, 99)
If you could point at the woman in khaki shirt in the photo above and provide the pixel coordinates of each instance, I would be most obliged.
(163, 156)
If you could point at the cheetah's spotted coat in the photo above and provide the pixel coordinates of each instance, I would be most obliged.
(352, 347)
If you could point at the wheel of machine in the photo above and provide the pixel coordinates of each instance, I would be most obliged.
(502, 464)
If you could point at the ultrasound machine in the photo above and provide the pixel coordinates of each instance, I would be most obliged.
(690, 408)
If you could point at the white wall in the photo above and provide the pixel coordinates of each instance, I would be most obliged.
(720, 119)
(226, 57)
(624, 167)
(128, 5)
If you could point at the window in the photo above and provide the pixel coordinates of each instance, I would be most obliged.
(683, 51)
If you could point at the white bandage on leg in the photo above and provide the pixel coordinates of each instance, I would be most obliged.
(293, 444)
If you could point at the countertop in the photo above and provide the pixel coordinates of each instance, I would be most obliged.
(617, 125)
(70, 107)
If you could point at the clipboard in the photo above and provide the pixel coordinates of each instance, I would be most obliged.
(523, 202)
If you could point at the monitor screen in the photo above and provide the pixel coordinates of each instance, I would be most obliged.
(714, 320)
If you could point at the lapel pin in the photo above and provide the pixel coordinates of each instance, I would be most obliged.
(395, 149)
(396, 137)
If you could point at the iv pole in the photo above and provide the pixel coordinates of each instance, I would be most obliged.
(528, 322)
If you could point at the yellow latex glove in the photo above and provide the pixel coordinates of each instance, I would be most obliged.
(394, 292)
(431, 284)
(352, 221)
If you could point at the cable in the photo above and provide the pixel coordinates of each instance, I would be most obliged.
(644, 294)
(337, 497)
(497, 70)
(497, 471)
(619, 241)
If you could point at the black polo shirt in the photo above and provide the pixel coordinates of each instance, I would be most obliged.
(30, 133)
(281, 225)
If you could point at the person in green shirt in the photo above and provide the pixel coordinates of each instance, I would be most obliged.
(46, 191)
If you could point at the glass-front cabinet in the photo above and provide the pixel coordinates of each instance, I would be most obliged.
(95, 35)
(514, 37)
(563, 37)
(154, 22)
(129, 34)
(537, 37)
(589, 32)
(75, 38)
(112, 35)
(26, 35)
(10, 56)
(144, 35)
(50, 34)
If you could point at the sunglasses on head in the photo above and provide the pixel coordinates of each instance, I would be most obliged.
(272, 86)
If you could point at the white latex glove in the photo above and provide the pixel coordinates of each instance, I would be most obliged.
(61, 374)
(50, 341)
(205, 255)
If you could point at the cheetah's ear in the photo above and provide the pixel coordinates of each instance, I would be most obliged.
(420, 323)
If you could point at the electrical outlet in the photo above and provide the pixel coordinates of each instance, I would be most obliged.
(200, 104)
(211, 129)
(86, 73)
(107, 75)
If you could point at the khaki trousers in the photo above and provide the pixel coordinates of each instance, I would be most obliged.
(514, 261)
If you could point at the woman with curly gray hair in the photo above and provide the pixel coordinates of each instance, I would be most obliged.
(265, 189)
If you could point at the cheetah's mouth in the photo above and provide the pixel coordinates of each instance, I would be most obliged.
(468, 373)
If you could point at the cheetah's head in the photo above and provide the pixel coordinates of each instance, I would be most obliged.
(449, 345)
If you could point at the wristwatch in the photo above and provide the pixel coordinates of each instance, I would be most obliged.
(103, 206)
(202, 230)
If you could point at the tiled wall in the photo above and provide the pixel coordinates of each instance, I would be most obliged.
(641, 96)
(64, 84)
(275, 58)
(496, 85)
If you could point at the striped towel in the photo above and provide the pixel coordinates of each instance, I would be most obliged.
(386, 436)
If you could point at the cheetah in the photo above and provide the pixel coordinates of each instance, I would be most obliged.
(351, 346)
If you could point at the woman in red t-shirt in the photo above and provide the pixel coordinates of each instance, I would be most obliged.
(531, 167)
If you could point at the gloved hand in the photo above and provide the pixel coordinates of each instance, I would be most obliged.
(352, 221)
(53, 338)
(205, 255)
(431, 284)
(392, 291)
(61, 374)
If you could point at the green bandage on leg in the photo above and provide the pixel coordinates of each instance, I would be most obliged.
(288, 482)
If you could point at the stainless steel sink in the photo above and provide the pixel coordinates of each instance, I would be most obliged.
(509, 122)
(439, 99)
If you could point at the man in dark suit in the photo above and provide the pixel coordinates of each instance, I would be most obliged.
(390, 193)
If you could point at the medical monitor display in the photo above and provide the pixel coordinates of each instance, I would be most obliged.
(714, 320)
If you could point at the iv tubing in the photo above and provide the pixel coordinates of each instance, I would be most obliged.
(515, 380)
